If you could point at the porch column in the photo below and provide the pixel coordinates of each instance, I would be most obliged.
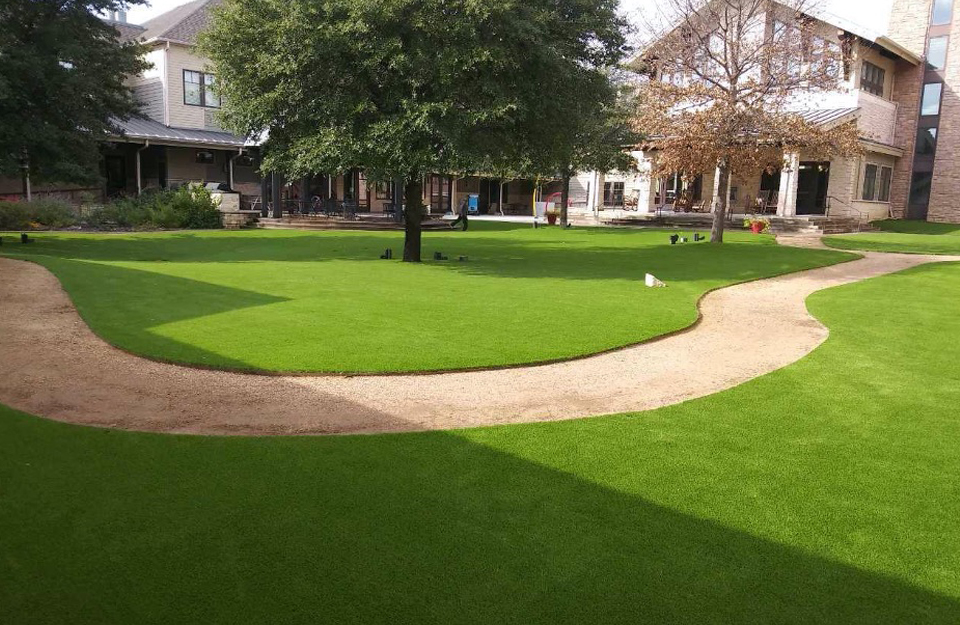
(277, 182)
(453, 195)
(305, 193)
(789, 180)
(264, 194)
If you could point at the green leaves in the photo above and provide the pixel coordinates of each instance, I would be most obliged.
(401, 87)
(62, 72)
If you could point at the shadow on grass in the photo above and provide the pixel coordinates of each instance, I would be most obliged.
(115, 527)
(123, 304)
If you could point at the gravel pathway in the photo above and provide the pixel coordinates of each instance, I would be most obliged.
(52, 365)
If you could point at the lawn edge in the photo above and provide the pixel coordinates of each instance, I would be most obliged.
(426, 372)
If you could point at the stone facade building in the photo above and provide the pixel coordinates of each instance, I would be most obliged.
(927, 178)
(903, 94)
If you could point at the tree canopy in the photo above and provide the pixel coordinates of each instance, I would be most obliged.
(62, 72)
(724, 89)
(407, 87)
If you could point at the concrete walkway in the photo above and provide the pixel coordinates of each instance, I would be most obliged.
(52, 365)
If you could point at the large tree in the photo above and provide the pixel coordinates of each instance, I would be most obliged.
(403, 88)
(62, 71)
(726, 84)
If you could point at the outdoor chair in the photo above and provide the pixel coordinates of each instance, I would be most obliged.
(350, 209)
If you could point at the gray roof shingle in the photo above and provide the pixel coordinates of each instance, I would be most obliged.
(181, 24)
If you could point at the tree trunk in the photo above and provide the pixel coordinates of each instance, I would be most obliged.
(564, 199)
(720, 214)
(413, 217)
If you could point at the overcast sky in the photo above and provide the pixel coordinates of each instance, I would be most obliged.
(872, 14)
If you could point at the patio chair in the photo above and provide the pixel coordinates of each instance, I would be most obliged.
(350, 209)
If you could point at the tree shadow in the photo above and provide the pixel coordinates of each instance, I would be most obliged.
(416, 528)
(102, 294)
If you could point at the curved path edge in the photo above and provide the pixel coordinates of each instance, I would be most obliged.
(52, 365)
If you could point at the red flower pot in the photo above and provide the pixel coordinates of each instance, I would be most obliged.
(551, 219)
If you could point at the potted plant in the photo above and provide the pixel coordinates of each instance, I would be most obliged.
(552, 216)
(757, 225)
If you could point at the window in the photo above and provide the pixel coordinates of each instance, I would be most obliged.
(205, 158)
(886, 176)
(192, 93)
(199, 89)
(926, 141)
(930, 105)
(210, 97)
(920, 188)
(942, 12)
(870, 183)
(613, 194)
(876, 183)
(937, 53)
(872, 79)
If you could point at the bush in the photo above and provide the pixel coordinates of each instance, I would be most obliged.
(36, 214)
(187, 207)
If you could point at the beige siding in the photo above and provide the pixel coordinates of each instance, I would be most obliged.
(182, 115)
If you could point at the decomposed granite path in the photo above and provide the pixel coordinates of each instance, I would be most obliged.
(52, 365)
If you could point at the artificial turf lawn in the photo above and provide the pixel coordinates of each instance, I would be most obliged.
(911, 237)
(827, 492)
(295, 301)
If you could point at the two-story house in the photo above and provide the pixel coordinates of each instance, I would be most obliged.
(880, 71)
(177, 139)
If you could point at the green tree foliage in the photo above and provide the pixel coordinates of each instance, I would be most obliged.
(406, 87)
(61, 85)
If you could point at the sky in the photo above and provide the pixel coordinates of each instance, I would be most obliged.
(872, 14)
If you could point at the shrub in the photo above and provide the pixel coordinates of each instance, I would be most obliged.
(187, 207)
(36, 214)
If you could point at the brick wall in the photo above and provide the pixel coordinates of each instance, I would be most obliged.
(908, 24)
(908, 27)
(944, 202)
(907, 95)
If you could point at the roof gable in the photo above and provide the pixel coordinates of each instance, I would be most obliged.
(182, 24)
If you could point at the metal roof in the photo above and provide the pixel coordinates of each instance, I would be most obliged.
(143, 128)
(828, 117)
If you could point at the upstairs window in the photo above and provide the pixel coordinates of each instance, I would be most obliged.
(937, 53)
(872, 79)
(930, 104)
(942, 12)
(198, 89)
(926, 141)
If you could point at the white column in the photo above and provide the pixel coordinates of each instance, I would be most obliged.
(789, 180)
(715, 202)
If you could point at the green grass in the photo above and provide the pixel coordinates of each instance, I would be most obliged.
(827, 492)
(294, 301)
(910, 237)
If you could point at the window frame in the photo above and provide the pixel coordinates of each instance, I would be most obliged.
(610, 193)
(946, 52)
(879, 187)
(926, 130)
(923, 98)
(870, 85)
(939, 6)
(203, 86)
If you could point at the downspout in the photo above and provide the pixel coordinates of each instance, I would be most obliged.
(146, 144)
